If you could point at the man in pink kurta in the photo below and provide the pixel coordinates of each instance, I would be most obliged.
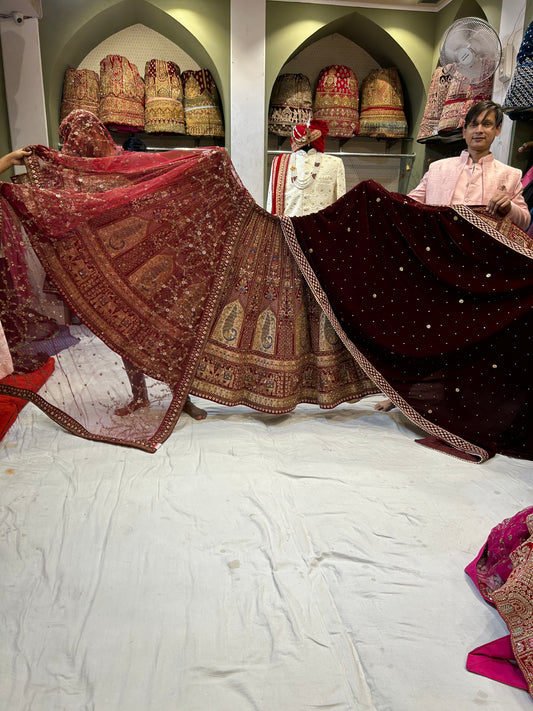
(476, 177)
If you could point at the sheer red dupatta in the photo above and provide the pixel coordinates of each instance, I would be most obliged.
(109, 231)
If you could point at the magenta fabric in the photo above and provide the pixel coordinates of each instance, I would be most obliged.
(491, 567)
(489, 572)
(496, 660)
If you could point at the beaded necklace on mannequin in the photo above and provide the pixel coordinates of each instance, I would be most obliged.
(303, 137)
(305, 180)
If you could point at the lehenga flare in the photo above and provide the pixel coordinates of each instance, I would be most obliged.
(170, 264)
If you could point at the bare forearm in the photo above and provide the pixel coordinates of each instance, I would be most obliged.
(13, 158)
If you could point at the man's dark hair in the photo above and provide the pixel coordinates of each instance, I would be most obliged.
(481, 108)
(133, 143)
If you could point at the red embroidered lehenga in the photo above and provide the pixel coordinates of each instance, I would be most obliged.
(169, 263)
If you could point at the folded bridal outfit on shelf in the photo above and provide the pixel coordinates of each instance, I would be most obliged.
(518, 102)
(169, 263)
(81, 90)
(438, 91)
(163, 111)
(337, 101)
(291, 102)
(121, 105)
(382, 114)
(203, 115)
(462, 95)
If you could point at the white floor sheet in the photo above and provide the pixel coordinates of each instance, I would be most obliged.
(254, 563)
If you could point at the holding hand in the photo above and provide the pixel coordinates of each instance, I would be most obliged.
(14, 158)
(525, 146)
(499, 203)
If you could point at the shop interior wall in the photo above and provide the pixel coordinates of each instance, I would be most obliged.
(70, 29)
(201, 28)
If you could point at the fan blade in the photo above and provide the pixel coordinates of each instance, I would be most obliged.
(483, 42)
(455, 40)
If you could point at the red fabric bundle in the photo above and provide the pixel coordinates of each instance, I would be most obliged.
(11, 406)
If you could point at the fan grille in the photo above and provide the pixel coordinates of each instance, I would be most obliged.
(472, 48)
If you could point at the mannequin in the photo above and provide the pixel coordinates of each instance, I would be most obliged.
(306, 180)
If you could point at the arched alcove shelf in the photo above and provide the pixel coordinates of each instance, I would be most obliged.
(139, 43)
(388, 161)
(202, 38)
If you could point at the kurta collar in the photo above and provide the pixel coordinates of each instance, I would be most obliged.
(467, 158)
(310, 152)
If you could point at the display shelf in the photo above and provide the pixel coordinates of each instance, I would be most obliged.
(169, 142)
(363, 158)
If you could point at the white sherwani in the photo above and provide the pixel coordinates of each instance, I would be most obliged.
(304, 193)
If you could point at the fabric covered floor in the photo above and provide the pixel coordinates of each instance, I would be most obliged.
(255, 562)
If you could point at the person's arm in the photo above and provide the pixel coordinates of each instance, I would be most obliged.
(14, 158)
(419, 193)
(527, 146)
(512, 204)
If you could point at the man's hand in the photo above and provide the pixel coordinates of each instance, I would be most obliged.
(499, 203)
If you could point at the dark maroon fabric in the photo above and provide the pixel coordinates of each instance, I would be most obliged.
(439, 306)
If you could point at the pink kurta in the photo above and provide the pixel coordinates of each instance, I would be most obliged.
(458, 180)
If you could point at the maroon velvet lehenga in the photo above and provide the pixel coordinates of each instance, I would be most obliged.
(168, 262)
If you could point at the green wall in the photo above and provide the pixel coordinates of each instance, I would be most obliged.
(70, 29)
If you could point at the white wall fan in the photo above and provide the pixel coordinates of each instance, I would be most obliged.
(472, 49)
